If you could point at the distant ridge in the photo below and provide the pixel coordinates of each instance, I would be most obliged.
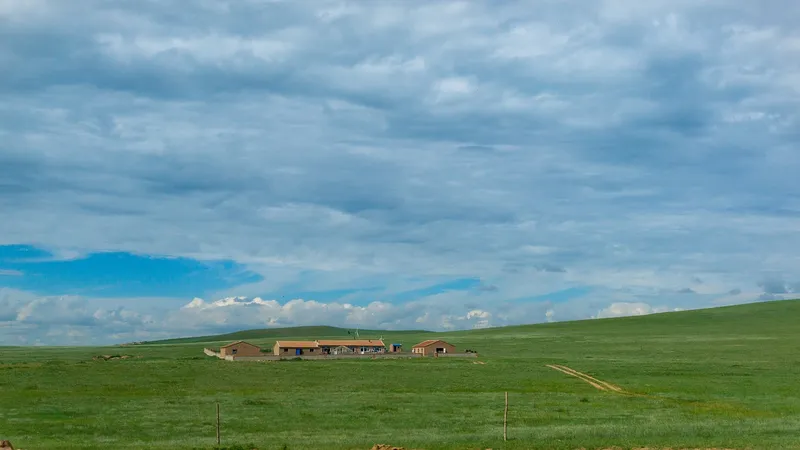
(286, 332)
(775, 315)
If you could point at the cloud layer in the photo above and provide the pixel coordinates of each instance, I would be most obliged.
(645, 152)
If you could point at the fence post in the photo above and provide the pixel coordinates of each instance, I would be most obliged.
(218, 424)
(505, 420)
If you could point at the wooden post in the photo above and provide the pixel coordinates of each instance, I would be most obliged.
(505, 420)
(217, 424)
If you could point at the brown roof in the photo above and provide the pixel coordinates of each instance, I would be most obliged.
(238, 342)
(352, 342)
(297, 344)
(428, 343)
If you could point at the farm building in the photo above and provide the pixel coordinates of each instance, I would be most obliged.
(433, 347)
(358, 346)
(239, 348)
(295, 348)
(329, 347)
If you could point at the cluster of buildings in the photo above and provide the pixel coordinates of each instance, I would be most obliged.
(431, 347)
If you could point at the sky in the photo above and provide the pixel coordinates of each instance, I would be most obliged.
(174, 168)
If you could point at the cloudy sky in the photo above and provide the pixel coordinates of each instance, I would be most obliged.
(170, 168)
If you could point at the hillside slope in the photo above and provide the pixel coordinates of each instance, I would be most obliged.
(288, 332)
(754, 318)
(777, 316)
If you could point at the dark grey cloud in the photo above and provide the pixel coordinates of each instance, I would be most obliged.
(484, 288)
(774, 286)
(551, 268)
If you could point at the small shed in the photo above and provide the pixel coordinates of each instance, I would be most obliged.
(396, 348)
(239, 348)
(433, 347)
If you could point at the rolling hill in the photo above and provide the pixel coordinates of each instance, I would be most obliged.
(287, 332)
(715, 378)
(746, 318)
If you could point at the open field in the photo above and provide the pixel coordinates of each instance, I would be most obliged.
(725, 378)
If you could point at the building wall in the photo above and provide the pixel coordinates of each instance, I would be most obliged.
(357, 349)
(242, 349)
(387, 355)
(292, 351)
(430, 350)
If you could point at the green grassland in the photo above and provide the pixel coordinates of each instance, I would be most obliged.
(724, 377)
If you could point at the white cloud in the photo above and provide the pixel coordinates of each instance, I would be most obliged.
(455, 87)
(623, 309)
(50, 319)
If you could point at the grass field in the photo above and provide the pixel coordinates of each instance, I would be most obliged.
(726, 377)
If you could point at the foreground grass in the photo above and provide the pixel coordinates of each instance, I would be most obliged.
(715, 378)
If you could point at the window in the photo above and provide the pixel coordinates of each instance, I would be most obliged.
(286, 350)
(311, 351)
(234, 351)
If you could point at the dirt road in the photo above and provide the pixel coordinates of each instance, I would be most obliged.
(594, 382)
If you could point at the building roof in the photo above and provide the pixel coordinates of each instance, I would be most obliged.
(332, 343)
(352, 342)
(297, 344)
(238, 342)
(428, 343)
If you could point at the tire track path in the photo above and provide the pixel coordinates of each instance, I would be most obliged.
(594, 382)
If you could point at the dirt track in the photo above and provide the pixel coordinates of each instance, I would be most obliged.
(594, 382)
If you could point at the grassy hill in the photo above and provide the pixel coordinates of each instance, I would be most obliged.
(283, 333)
(775, 316)
(723, 377)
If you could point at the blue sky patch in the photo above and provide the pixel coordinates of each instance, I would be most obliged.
(117, 274)
(21, 253)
